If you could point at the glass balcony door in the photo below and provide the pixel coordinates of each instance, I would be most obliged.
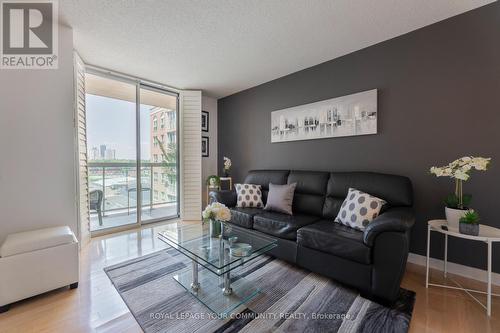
(130, 127)
(158, 114)
(111, 152)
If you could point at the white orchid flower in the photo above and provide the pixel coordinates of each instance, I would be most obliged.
(466, 168)
(460, 168)
(437, 171)
(459, 174)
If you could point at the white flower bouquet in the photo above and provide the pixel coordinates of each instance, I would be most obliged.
(217, 212)
(227, 165)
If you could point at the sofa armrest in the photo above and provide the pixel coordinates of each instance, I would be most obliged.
(399, 219)
(226, 197)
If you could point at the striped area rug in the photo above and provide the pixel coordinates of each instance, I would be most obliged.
(292, 300)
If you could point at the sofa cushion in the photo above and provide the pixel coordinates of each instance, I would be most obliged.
(337, 239)
(310, 191)
(281, 225)
(359, 209)
(280, 198)
(244, 216)
(395, 190)
(40, 239)
(265, 177)
(248, 195)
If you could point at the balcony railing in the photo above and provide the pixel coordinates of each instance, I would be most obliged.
(118, 182)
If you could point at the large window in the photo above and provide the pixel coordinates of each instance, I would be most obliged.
(155, 104)
(125, 155)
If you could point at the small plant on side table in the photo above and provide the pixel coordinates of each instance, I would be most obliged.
(213, 181)
(469, 223)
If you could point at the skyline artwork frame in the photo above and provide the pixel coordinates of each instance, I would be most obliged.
(350, 115)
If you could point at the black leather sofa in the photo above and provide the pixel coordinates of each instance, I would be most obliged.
(372, 261)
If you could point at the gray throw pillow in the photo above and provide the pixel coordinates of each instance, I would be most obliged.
(280, 198)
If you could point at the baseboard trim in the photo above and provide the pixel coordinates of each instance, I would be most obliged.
(465, 271)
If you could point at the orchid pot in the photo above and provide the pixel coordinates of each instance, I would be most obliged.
(453, 216)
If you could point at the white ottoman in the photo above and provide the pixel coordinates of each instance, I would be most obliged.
(37, 261)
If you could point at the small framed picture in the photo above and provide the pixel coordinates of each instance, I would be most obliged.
(204, 146)
(204, 121)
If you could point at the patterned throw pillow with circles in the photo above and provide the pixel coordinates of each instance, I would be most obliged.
(249, 195)
(359, 209)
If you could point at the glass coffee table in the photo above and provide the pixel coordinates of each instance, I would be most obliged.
(212, 283)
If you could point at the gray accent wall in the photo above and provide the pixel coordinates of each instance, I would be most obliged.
(438, 99)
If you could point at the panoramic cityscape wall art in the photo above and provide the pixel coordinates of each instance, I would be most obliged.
(350, 115)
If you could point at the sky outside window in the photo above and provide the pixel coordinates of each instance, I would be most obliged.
(111, 122)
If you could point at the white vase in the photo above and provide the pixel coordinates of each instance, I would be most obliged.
(453, 216)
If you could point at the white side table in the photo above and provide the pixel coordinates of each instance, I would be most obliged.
(487, 234)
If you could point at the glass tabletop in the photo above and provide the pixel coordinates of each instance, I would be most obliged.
(196, 242)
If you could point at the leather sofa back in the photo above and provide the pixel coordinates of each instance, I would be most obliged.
(309, 196)
(396, 190)
(322, 193)
(264, 177)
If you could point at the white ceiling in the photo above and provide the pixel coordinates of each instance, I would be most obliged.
(225, 46)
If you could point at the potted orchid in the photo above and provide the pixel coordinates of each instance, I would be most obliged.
(215, 214)
(457, 204)
(227, 166)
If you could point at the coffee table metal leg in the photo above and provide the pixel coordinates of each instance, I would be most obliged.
(227, 285)
(227, 290)
(195, 285)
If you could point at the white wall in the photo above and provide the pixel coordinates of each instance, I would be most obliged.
(37, 175)
(209, 164)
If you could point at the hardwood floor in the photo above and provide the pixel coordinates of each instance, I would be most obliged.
(96, 306)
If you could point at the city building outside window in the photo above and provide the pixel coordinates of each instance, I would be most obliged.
(171, 137)
(171, 120)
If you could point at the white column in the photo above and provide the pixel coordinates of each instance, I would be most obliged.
(190, 155)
